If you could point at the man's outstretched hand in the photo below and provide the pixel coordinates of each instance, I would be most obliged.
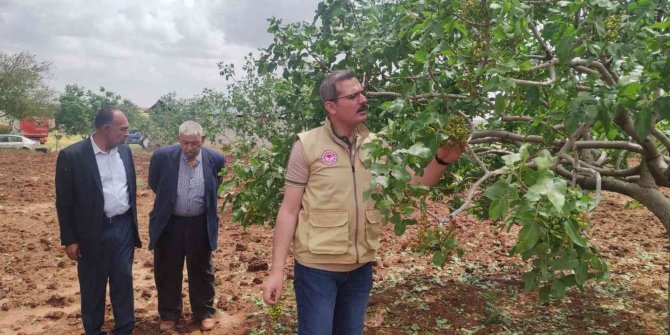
(449, 152)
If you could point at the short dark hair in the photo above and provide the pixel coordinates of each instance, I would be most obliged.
(328, 90)
(104, 116)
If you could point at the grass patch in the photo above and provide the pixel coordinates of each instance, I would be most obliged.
(58, 140)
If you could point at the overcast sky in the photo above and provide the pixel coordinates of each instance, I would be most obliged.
(142, 49)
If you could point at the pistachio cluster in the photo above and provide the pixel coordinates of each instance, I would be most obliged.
(456, 129)
(612, 25)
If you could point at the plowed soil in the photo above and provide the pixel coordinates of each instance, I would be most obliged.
(478, 293)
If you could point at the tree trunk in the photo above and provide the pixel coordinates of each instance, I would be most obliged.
(654, 200)
(651, 197)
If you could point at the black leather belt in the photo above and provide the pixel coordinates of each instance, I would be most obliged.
(116, 218)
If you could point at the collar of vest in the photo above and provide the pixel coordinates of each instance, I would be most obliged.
(361, 132)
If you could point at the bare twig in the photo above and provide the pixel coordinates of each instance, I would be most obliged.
(598, 186)
(550, 81)
(523, 118)
(539, 39)
(661, 137)
(598, 66)
(506, 135)
(575, 158)
(440, 221)
(417, 97)
(601, 160)
(578, 86)
(486, 151)
(477, 159)
(473, 190)
(577, 134)
(622, 145)
(584, 69)
(635, 170)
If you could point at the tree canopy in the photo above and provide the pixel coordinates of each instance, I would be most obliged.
(573, 96)
(23, 86)
(78, 107)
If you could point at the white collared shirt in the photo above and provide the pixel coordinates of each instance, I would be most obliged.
(114, 181)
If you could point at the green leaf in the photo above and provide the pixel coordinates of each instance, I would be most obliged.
(564, 47)
(581, 272)
(556, 194)
(661, 25)
(557, 289)
(461, 28)
(500, 189)
(500, 104)
(438, 259)
(630, 91)
(530, 281)
(529, 176)
(400, 173)
(643, 123)
(511, 159)
(544, 293)
(399, 228)
(553, 189)
(662, 107)
(571, 230)
(382, 180)
(528, 237)
(498, 208)
(419, 150)
(543, 161)
(568, 261)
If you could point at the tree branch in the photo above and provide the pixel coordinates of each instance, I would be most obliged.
(598, 186)
(473, 189)
(523, 118)
(654, 160)
(601, 160)
(417, 97)
(661, 137)
(550, 81)
(607, 184)
(578, 86)
(505, 135)
(584, 69)
(485, 151)
(539, 39)
(598, 66)
(622, 145)
(476, 159)
(635, 170)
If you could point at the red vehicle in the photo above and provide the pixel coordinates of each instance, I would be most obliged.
(35, 128)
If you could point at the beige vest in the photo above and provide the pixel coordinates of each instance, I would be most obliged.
(336, 225)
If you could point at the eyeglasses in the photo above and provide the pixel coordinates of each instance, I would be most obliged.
(352, 96)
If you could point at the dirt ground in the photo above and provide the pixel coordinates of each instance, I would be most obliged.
(478, 293)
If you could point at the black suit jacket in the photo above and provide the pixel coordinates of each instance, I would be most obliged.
(163, 179)
(79, 199)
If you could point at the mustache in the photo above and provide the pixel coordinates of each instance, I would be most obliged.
(362, 108)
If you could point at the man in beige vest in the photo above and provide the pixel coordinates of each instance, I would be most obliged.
(334, 229)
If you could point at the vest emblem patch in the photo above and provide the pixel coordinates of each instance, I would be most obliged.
(329, 157)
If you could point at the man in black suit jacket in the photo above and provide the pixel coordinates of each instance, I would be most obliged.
(184, 224)
(97, 214)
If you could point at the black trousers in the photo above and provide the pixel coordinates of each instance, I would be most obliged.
(184, 238)
(113, 262)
